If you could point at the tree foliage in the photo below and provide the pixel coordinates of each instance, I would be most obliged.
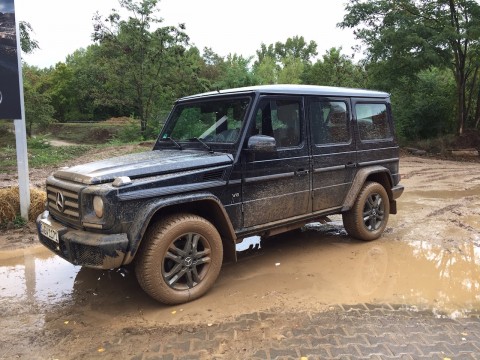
(423, 106)
(284, 62)
(295, 47)
(27, 43)
(335, 69)
(426, 53)
(38, 108)
(409, 36)
(140, 57)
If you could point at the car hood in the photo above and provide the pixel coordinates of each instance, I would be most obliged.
(150, 163)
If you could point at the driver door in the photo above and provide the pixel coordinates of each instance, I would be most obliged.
(277, 185)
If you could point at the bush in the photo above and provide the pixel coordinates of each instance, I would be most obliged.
(130, 132)
(425, 108)
(38, 142)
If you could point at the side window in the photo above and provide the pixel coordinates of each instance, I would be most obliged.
(280, 119)
(329, 122)
(372, 121)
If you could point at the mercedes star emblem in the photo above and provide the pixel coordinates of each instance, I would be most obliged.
(60, 202)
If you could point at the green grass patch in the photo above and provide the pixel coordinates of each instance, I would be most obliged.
(40, 156)
(55, 155)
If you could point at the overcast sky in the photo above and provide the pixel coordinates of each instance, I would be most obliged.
(240, 27)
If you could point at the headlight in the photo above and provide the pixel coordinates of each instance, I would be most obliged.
(98, 206)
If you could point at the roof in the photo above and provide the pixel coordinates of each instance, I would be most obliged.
(295, 90)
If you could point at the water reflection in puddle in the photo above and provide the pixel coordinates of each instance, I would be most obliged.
(318, 265)
(39, 277)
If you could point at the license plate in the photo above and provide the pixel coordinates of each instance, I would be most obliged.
(49, 232)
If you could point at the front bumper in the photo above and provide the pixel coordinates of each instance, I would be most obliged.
(100, 251)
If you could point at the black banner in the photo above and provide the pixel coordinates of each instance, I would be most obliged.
(9, 75)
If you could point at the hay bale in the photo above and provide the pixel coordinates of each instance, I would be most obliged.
(37, 203)
(10, 203)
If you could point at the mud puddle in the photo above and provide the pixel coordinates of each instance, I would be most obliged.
(301, 270)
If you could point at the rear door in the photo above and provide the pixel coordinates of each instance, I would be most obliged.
(277, 185)
(333, 150)
(375, 134)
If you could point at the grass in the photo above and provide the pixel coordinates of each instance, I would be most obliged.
(41, 157)
(40, 154)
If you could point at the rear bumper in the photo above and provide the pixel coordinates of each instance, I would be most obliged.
(397, 191)
(100, 251)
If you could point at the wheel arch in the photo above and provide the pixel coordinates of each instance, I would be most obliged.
(377, 174)
(205, 205)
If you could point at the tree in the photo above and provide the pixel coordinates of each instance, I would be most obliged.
(335, 69)
(408, 36)
(284, 62)
(212, 69)
(38, 110)
(27, 43)
(295, 47)
(237, 72)
(291, 70)
(424, 107)
(266, 71)
(142, 61)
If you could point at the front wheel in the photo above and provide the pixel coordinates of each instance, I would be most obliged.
(180, 259)
(368, 217)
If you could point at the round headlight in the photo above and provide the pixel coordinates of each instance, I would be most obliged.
(98, 206)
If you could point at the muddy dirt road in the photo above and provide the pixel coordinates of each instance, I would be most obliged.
(429, 257)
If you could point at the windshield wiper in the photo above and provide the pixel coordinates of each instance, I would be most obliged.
(203, 143)
(174, 142)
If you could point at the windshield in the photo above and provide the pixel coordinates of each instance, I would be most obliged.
(216, 121)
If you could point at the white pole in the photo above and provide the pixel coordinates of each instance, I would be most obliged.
(22, 165)
(21, 139)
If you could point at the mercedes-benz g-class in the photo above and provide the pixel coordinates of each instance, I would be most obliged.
(227, 165)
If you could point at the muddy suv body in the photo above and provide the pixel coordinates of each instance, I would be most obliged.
(228, 165)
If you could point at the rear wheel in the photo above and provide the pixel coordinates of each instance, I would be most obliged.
(368, 217)
(180, 259)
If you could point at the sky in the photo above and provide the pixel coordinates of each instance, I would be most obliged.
(63, 26)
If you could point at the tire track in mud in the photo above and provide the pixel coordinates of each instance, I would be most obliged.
(442, 196)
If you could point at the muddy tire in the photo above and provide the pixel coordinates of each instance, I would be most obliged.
(368, 217)
(180, 259)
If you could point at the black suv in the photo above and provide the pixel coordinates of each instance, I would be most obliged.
(228, 165)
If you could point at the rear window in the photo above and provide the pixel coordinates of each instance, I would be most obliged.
(372, 121)
(329, 122)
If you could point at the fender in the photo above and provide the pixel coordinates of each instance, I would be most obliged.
(218, 217)
(360, 178)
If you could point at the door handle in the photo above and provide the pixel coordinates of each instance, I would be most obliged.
(350, 165)
(301, 172)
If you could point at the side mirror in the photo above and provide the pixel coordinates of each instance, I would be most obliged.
(262, 144)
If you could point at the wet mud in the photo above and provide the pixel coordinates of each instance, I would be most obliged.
(429, 257)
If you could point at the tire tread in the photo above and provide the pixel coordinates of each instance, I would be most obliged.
(146, 259)
(353, 218)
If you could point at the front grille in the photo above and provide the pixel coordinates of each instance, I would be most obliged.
(70, 212)
(87, 255)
